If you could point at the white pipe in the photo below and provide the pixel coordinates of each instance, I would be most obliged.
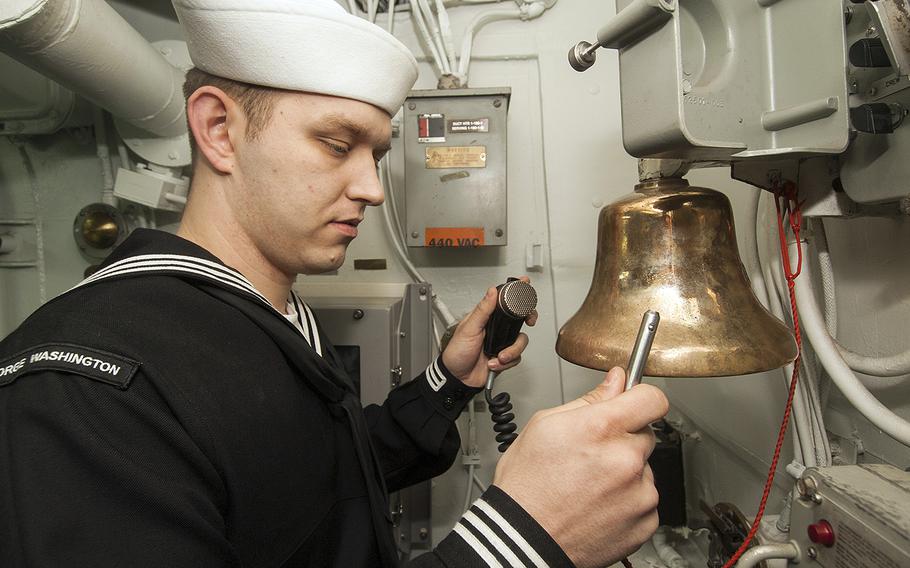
(762, 552)
(87, 47)
(525, 12)
(104, 156)
(854, 391)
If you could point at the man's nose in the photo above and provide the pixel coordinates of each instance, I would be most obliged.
(366, 185)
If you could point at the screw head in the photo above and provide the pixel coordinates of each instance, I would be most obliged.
(424, 533)
(358, 314)
(498, 232)
(497, 103)
(812, 552)
(412, 106)
(414, 234)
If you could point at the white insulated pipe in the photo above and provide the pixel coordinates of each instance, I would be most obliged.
(87, 47)
(757, 554)
(813, 324)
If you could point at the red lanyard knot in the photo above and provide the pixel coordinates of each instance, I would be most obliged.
(786, 201)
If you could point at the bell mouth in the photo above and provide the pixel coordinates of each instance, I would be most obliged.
(671, 248)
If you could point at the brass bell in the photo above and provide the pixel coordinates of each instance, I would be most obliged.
(671, 248)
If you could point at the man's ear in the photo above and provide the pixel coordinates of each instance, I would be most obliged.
(215, 121)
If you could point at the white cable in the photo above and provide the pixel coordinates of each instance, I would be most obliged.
(884, 366)
(801, 428)
(854, 391)
(446, 28)
(440, 306)
(433, 24)
(417, 16)
(390, 199)
(808, 410)
(391, 13)
(804, 432)
(826, 271)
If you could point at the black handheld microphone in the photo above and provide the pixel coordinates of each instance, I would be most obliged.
(515, 300)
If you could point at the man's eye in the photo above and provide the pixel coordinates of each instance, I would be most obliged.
(336, 148)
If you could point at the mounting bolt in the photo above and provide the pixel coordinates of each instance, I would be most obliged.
(423, 533)
(358, 314)
(422, 290)
(807, 488)
(812, 552)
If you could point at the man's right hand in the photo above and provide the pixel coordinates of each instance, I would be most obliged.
(581, 471)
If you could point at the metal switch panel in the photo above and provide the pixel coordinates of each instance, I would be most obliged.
(455, 167)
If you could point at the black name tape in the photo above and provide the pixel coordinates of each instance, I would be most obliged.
(98, 365)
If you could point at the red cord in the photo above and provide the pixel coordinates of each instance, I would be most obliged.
(785, 200)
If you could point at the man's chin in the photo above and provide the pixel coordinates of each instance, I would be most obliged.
(329, 265)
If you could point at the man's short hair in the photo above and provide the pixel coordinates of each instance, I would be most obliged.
(255, 100)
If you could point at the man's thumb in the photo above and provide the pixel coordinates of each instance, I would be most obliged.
(613, 384)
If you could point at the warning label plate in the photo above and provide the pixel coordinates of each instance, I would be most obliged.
(442, 157)
(453, 237)
(470, 125)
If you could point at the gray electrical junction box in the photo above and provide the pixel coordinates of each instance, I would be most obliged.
(455, 167)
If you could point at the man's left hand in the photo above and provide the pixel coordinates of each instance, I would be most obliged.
(464, 355)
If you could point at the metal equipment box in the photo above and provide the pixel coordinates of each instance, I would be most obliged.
(853, 516)
(721, 80)
(455, 167)
(382, 332)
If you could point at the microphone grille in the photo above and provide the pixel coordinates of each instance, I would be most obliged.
(518, 298)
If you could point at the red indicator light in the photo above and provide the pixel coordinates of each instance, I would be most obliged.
(822, 533)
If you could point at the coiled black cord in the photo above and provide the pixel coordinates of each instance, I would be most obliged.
(500, 407)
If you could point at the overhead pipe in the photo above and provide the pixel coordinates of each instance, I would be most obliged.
(87, 47)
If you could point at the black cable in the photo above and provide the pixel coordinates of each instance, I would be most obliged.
(502, 417)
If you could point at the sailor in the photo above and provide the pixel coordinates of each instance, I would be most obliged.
(182, 407)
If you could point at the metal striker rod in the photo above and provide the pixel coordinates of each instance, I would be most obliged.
(649, 323)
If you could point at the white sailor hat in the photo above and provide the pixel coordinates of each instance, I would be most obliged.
(301, 45)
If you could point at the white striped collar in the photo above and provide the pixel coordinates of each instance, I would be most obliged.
(207, 270)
